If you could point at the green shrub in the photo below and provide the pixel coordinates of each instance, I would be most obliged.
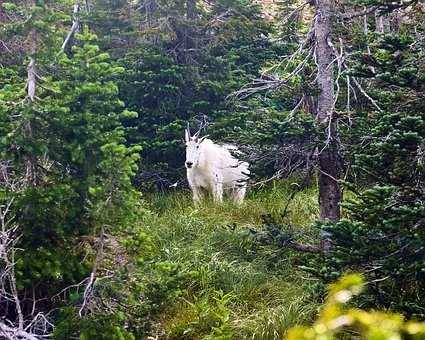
(337, 321)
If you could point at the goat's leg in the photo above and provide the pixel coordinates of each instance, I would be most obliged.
(217, 191)
(239, 194)
(197, 195)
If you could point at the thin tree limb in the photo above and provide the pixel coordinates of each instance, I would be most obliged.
(75, 25)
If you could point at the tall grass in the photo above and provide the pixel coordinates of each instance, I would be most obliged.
(234, 287)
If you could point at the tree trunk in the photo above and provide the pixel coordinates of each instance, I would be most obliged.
(75, 24)
(151, 13)
(191, 13)
(3, 15)
(31, 161)
(329, 167)
(190, 42)
(382, 22)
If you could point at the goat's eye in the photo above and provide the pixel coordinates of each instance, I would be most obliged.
(197, 146)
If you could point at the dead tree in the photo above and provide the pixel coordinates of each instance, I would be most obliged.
(329, 169)
(316, 46)
(31, 162)
(75, 25)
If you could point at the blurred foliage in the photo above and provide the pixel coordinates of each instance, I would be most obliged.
(337, 321)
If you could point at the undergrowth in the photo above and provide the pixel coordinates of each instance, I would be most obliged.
(207, 278)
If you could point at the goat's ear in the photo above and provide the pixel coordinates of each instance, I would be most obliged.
(186, 135)
(202, 139)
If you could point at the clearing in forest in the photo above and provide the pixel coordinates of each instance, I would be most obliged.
(214, 280)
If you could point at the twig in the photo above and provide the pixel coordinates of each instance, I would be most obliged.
(88, 291)
(366, 95)
(295, 109)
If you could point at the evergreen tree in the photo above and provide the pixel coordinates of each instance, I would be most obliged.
(170, 85)
(383, 232)
(65, 163)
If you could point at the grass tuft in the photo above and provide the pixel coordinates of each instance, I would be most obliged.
(231, 287)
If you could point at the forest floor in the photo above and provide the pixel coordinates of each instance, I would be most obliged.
(222, 283)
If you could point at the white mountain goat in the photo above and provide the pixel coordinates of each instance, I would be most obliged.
(212, 168)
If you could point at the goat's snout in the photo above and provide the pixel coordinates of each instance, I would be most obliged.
(189, 164)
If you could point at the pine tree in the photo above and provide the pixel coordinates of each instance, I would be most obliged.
(383, 232)
(66, 164)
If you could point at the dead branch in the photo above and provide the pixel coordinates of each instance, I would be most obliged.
(265, 83)
(37, 327)
(373, 101)
(305, 248)
(295, 109)
(75, 24)
(295, 11)
(14, 333)
(92, 279)
(380, 9)
(262, 183)
(352, 15)
(282, 239)
(342, 65)
(271, 82)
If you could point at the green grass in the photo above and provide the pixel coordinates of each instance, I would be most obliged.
(227, 285)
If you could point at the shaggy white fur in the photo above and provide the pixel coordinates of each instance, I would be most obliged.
(212, 168)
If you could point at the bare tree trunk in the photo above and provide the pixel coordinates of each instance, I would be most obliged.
(31, 68)
(87, 5)
(31, 162)
(191, 9)
(395, 21)
(379, 23)
(75, 24)
(382, 22)
(329, 168)
(189, 41)
(14, 324)
(151, 11)
(366, 32)
(31, 81)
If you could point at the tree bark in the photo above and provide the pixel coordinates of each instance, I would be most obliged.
(191, 13)
(329, 164)
(3, 15)
(382, 22)
(190, 42)
(151, 9)
(31, 161)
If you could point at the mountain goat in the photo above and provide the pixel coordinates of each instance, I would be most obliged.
(212, 168)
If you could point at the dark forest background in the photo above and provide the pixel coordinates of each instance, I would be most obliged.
(326, 97)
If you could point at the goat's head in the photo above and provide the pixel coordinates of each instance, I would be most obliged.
(193, 148)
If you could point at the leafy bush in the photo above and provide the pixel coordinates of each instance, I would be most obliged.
(338, 321)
